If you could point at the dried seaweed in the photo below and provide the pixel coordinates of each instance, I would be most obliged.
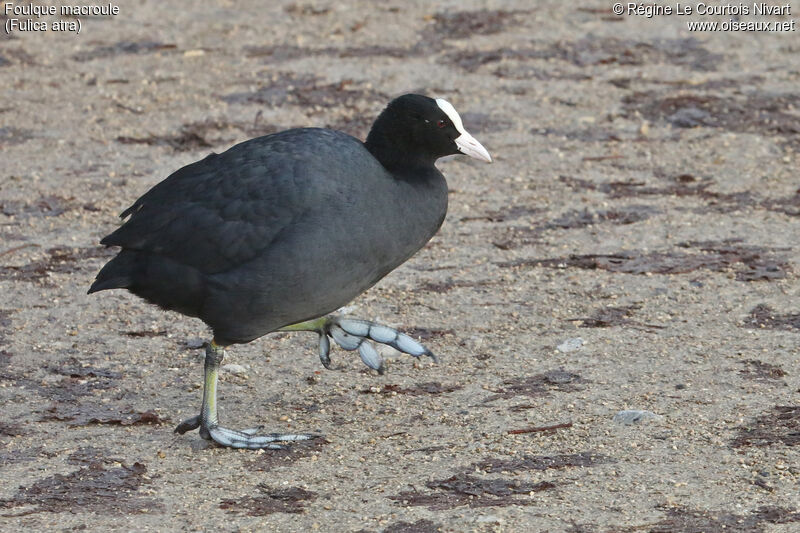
(594, 50)
(60, 259)
(612, 316)
(85, 415)
(122, 48)
(467, 24)
(308, 91)
(50, 205)
(685, 520)
(750, 263)
(539, 463)
(420, 389)
(10, 135)
(420, 526)
(286, 456)
(763, 316)
(285, 500)
(760, 371)
(618, 217)
(465, 489)
(538, 385)
(92, 489)
(761, 113)
(779, 425)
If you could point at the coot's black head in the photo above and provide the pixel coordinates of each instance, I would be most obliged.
(416, 130)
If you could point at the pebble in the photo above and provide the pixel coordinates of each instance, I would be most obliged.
(570, 345)
(688, 117)
(195, 343)
(489, 519)
(232, 368)
(634, 416)
(474, 343)
(199, 445)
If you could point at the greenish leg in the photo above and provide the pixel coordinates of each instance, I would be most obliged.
(208, 411)
(316, 324)
(208, 421)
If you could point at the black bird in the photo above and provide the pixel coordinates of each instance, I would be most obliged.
(279, 231)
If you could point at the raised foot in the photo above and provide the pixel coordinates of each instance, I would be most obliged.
(247, 438)
(352, 334)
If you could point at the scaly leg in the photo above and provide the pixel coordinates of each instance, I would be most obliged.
(352, 334)
(208, 422)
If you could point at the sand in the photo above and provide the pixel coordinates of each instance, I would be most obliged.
(633, 247)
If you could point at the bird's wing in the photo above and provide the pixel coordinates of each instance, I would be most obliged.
(226, 209)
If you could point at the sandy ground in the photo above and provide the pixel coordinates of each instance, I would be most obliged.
(644, 199)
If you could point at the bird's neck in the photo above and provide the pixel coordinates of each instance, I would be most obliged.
(388, 150)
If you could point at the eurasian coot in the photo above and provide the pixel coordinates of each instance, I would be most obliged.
(279, 231)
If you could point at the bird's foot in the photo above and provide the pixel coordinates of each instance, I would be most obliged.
(246, 438)
(355, 334)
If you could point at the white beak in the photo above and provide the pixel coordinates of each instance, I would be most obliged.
(468, 145)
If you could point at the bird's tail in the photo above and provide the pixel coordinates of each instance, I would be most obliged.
(116, 274)
(159, 280)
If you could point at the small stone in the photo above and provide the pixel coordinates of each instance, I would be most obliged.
(489, 519)
(689, 117)
(195, 343)
(232, 368)
(199, 445)
(634, 416)
(474, 343)
(570, 345)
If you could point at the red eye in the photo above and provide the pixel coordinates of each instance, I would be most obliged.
(441, 124)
